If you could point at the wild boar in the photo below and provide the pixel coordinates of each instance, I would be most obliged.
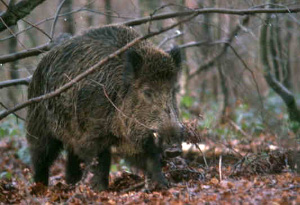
(129, 104)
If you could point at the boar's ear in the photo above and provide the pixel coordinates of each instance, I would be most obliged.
(133, 62)
(175, 53)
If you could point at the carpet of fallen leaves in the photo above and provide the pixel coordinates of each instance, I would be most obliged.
(232, 175)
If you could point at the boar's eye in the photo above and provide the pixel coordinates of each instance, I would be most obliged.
(148, 94)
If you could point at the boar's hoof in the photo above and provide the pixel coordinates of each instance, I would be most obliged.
(155, 185)
(162, 183)
(97, 185)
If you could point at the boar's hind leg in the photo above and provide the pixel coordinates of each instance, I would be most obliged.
(43, 154)
(101, 171)
(73, 170)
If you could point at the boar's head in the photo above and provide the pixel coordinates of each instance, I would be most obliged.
(150, 80)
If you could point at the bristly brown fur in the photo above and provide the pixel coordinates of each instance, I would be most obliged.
(83, 119)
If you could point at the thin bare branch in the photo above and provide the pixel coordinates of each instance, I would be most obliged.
(165, 40)
(227, 43)
(17, 116)
(3, 59)
(242, 12)
(89, 71)
(133, 187)
(14, 82)
(63, 15)
(252, 74)
(56, 18)
(220, 168)
(204, 158)
(211, 61)
(25, 53)
(197, 43)
(12, 33)
(238, 128)
(118, 109)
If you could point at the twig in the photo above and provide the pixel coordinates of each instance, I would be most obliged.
(12, 33)
(15, 114)
(233, 124)
(186, 13)
(12, 19)
(178, 34)
(61, 15)
(227, 43)
(252, 75)
(133, 22)
(220, 168)
(291, 187)
(206, 11)
(200, 43)
(204, 158)
(135, 186)
(89, 71)
(21, 81)
(207, 65)
(55, 19)
(118, 109)
(229, 147)
(188, 190)
(194, 44)
(26, 53)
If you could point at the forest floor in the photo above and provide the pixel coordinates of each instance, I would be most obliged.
(236, 173)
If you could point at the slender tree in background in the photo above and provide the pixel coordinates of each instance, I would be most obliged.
(266, 51)
(108, 11)
(287, 74)
(68, 23)
(13, 69)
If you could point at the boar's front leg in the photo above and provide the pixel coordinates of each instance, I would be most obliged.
(73, 169)
(153, 164)
(100, 169)
(153, 169)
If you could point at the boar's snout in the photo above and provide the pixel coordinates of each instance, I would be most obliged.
(173, 151)
(172, 135)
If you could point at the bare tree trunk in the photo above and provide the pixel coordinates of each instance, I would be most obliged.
(225, 93)
(68, 23)
(185, 68)
(222, 77)
(280, 89)
(147, 7)
(13, 70)
(205, 51)
(287, 78)
(274, 52)
(215, 84)
(108, 11)
(89, 18)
